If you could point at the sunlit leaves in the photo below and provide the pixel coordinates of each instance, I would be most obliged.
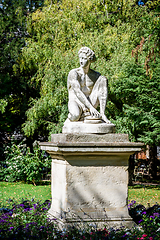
(112, 30)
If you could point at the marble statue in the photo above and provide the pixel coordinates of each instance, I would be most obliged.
(87, 90)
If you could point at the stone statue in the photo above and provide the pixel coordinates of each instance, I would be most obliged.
(87, 89)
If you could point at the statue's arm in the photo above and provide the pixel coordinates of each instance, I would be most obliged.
(75, 85)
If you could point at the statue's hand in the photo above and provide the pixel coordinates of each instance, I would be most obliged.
(94, 112)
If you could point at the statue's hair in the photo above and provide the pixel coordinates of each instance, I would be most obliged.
(90, 54)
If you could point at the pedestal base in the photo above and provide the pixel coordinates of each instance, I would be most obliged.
(86, 192)
(90, 178)
(115, 223)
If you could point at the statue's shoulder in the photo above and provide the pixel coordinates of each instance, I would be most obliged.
(74, 72)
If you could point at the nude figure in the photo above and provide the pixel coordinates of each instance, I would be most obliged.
(86, 89)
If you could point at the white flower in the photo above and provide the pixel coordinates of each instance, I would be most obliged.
(92, 225)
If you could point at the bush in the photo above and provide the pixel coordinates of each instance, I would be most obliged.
(147, 218)
(22, 165)
(28, 220)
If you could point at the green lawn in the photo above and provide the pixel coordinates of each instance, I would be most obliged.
(146, 195)
(20, 190)
(141, 194)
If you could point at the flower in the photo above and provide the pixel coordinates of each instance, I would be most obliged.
(144, 212)
(144, 235)
(156, 214)
(27, 209)
(124, 235)
(44, 209)
(140, 221)
(21, 205)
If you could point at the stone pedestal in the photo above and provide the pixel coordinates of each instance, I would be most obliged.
(90, 177)
(87, 128)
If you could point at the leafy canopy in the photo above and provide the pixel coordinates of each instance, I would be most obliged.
(124, 37)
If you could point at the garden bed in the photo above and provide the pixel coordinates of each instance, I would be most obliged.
(27, 218)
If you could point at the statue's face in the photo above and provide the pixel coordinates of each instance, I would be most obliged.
(84, 62)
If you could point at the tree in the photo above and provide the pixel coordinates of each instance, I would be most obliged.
(114, 30)
(14, 88)
(54, 41)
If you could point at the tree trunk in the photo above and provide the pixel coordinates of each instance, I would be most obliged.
(131, 170)
(153, 161)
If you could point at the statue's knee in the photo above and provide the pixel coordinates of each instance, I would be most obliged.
(73, 117)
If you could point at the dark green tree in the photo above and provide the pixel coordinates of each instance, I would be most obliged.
(15, 90)
(54, 33)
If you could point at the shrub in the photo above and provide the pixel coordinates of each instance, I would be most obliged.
(150, 220)
(147, 218)
(22, 165)
(26, 220)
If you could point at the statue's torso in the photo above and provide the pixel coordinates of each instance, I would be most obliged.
(86, 81)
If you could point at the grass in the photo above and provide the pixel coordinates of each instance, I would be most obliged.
(146, 195)
(21, 190)
(141, 194)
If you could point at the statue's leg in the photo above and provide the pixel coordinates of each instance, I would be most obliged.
(74, 111)
(99, 96)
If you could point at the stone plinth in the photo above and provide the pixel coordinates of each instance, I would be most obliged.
(90, 177)
(87, 128)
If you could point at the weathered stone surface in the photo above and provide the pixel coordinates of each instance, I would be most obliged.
(79, 138)
(82, 127)
(90, 177)
(89, 192)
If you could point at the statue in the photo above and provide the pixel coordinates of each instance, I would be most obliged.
(86, 89)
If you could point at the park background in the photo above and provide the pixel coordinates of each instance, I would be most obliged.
(39, 43)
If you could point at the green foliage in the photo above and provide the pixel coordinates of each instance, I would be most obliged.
(140, 97)
(28, 220)
(151, 222)
(14, 88)
(12, 33)
(22, 165)
(125, 38)
(112, 30)
(3, 104)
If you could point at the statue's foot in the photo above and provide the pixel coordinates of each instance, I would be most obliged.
(105, 119)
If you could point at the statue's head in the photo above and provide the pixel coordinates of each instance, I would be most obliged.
(89, 53)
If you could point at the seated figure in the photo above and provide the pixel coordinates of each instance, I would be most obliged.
(86, 90)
